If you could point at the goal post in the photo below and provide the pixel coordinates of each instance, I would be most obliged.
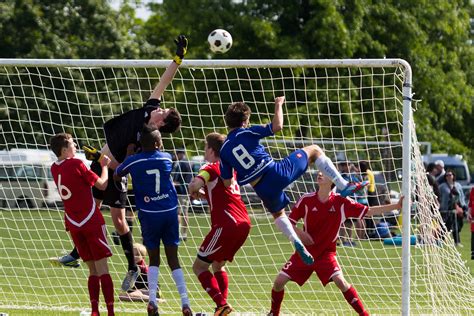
(356, 110)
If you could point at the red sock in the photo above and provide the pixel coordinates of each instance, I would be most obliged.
(277, 298)
(209, 283)
(93, 284)
(353, 299)
(223, 281)
(108, 292)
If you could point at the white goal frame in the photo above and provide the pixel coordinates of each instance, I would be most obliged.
(371, 63)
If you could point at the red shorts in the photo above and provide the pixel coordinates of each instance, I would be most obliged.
(91, 242)
(222, 243)
(325, 266)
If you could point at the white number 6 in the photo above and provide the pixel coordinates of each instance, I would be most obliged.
(62, 188)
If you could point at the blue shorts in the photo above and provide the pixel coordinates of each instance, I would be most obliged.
(277, 178)
(158, 227)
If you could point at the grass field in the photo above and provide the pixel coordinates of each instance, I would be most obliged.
(28, 238)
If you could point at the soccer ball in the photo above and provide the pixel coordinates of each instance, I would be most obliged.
(220, 41)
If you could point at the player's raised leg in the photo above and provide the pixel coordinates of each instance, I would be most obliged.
(285, 226)
(327, 167)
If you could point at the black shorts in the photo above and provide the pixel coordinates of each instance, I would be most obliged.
(115, 195)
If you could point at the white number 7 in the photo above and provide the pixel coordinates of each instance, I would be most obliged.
(156, 172)
(243, 156)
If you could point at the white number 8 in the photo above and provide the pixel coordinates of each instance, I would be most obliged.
(243, 156)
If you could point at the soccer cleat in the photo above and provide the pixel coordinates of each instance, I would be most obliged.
(152, 309)
(187, 311)
(223, 310)
(130, 279)
(66, 260)
(303, 252)
(353, 187)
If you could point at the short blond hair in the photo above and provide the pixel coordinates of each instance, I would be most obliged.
(141, 250)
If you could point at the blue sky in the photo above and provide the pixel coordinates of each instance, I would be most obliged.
(141, 9)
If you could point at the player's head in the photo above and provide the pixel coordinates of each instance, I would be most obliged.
(166, 120)
(150, 139)
(139, 252)
(213, 146)
(324, 181)
(63, 145)
(237, 115)
(364, 166)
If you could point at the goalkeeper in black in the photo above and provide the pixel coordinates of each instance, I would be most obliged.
(122, 135)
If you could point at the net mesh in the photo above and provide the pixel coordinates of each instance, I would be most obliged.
(354, 113)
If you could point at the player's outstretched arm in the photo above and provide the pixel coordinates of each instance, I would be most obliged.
(181, 50)
(378, 210)
(277, 122)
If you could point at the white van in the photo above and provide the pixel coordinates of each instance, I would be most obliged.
(455, 163)
(26, 180)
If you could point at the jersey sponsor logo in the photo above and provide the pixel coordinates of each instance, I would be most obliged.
(332, 209)
(160, 197)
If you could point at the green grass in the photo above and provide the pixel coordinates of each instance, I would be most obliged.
(28, 238)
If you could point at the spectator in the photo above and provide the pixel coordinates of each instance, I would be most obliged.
(452, 205)
(439, 164)
(431, 174)
(182, 176)
(367, 174)
(470, 218)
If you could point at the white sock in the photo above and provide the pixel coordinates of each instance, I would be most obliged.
(153, 272)
(284, 224)
(178, 278)
(325, 165)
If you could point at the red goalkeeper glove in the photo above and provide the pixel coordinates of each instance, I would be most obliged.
(92, 153)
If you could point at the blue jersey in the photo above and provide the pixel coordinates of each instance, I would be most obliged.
(243, 152)
(151, 177)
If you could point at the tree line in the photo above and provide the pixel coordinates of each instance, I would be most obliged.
(434, 37)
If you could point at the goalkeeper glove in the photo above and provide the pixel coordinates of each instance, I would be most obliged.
(92, 153)
(181, 48)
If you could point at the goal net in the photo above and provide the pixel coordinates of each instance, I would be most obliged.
(356, 110)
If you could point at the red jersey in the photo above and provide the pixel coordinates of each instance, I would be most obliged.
(471, 201)
(74, 181)
(226, 204)
(322, 221)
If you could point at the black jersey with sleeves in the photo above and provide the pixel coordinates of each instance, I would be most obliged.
(125, 129)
